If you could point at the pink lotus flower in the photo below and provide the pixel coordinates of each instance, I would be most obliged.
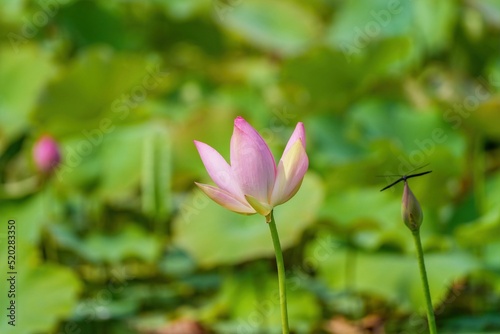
(252, 183)
(46, 154)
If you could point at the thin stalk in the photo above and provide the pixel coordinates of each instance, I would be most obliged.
(423, 276)
(478, 172)
(48, 243)
(281, 273)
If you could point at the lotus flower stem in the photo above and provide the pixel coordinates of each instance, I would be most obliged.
(423, 275)
(281, 273)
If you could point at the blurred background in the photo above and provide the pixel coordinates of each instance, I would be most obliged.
(100, 102)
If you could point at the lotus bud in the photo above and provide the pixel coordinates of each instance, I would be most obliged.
(411, 210)
(46, 154)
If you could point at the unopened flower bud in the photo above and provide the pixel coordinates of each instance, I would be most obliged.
(411, 210)
(46, 154)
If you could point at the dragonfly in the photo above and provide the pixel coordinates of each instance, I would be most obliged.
(406, 177)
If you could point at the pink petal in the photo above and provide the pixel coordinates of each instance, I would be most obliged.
(253, 164)
(219, 170)
(291, 171)
(298, 134)
(225, 199)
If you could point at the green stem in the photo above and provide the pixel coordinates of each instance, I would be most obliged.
(479, 172)
(423, 275)
(281, 273)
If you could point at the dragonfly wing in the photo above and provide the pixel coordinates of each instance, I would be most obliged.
(418, 174)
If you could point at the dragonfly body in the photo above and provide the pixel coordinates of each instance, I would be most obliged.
(405, 177)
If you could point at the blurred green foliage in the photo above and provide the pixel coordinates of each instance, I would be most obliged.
(118, 240)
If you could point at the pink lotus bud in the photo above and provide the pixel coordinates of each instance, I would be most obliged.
(411, 210)
(46, 154)
(253, 183)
